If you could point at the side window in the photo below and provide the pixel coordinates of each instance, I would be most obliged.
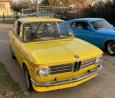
(18, 29)
(80, 25)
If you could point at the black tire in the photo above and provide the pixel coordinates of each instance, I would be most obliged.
(28, 79)
(111, 47)
(12, 53)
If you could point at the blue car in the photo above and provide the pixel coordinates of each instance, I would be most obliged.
(96, 31)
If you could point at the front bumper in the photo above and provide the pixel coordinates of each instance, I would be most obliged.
(40, 87)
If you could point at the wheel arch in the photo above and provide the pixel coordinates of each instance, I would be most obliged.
(106, 42)
(25, 65)
(25, 68)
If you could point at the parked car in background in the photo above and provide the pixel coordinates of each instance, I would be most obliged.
(50, 56)
(96, 31)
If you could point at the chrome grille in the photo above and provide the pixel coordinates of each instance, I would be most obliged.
(87, 63)
(57, 69)
(61, 68)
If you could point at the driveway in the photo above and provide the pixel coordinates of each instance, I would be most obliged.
(103, 86)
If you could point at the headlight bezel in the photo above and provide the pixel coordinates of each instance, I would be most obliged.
(99, 60)
(44, 72)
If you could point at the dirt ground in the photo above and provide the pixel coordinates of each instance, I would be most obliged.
(103, 86)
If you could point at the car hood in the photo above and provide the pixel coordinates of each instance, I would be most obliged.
(60, 51)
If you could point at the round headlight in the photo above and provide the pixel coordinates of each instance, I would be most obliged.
(99, 60)
(43, 72)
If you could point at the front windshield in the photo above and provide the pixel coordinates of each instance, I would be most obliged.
(101, 25)
(46, 31)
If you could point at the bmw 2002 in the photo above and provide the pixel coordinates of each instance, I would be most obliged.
(50, 56)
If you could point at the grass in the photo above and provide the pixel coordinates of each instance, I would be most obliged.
(5, 79)
(7, 85)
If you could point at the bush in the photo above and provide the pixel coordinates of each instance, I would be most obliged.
(101, 10)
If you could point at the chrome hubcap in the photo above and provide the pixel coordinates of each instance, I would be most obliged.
(111, 48)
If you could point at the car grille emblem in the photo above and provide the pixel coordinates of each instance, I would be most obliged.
(76, 56)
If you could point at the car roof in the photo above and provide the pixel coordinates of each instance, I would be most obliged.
(39, 19)
(87, 19)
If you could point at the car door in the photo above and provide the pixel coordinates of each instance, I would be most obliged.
(17, 41)
(83, 30)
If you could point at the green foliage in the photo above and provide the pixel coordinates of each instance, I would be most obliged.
(45, 2)
(102, 10)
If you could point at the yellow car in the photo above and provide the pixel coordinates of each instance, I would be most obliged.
(50, 56)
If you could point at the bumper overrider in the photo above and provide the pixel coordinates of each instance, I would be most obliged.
(42, 87)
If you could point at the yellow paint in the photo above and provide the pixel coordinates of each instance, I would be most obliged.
(51, 53)
(44, 89)
(39, 19)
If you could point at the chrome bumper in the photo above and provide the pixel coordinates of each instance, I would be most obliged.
(54, 83)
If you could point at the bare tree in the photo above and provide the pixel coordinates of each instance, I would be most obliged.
(64, 2)
(34, 2)
(22, 4)
(91, 2)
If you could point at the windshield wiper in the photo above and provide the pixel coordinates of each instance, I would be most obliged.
(46, 38)
(41, 39)
(65, 36)
(49, 38)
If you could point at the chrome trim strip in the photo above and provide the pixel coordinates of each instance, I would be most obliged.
(68, 81)
(58, 69)
(87, 63)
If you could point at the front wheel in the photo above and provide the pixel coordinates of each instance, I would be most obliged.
(111, 48)
(28, 79)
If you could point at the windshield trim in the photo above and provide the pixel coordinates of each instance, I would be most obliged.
(67, 26)
(49, 39)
